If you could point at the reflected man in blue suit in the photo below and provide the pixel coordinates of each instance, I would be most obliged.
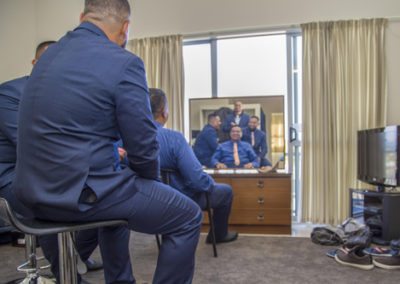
(235, 153)
(258, 140)
(85, 93)
(238, 117)
(207, 140)
(189, 177)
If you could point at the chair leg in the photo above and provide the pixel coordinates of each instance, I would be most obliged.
(158, 239)
(68, 258)
(211, 221)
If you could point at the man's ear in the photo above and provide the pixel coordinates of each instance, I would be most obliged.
(81, 17)
(34, 61)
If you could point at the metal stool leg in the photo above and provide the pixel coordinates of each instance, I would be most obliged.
(68, 258)
(212, 228)
(30, 267)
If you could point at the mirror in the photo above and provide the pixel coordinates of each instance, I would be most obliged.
(270, 110)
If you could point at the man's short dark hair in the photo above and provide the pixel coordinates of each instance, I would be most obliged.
(256, 117)
(212, 116)
(158, 101)
(42, 47)
(118, 9)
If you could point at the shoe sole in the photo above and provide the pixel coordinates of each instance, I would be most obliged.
(384, 266)
(363, 267)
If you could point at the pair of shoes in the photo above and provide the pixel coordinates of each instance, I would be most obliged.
(354, 257)
(381, 251)
(230, 237)
(93, 265)
(388, 262)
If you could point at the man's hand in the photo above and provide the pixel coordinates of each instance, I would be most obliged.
(122, 153)
(221, 166)
(248, 166)
(265, 169)
(233, 124)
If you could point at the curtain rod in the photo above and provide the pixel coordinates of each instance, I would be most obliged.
(266, 29)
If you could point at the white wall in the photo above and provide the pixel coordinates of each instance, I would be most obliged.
(17, 37)
(27, 22)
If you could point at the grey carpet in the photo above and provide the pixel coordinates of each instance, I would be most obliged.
(251, 259)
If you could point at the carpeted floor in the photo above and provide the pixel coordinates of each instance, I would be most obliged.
(251, 259)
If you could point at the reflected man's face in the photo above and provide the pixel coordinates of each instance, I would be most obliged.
(253, 123)
(236, 133)
(238, 107)
(216, 122)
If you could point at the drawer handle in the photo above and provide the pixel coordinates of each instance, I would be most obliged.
(261, 200)
(260, 184)
(260, 217)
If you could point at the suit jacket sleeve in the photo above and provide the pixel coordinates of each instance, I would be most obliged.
(135, 121)
(211, 139)
(217, 156)
(190, 168)
(252, 156)
(9, 117)
(264, 148)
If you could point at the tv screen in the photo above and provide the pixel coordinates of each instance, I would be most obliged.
(379, 156)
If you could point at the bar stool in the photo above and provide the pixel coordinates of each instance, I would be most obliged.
(70, 263)
(166, 178)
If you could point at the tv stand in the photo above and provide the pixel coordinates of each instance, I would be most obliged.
(381, 209)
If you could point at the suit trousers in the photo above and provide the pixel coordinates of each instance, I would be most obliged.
(154, 208)
(221, 198)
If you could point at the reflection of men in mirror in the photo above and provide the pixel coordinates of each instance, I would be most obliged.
(190, 179)
(235, 153)
(238, 117)
(257, 140)
(207, 140)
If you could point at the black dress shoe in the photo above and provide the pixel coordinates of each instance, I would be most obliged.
(93, 265)
(230, 237)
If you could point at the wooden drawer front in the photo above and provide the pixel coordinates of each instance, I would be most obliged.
(249, 202)
(261, 217)
(278, 198)
(243, 185)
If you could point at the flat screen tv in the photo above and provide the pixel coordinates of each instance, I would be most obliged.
(379, 156)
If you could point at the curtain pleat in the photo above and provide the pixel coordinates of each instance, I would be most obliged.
(344, 90)
(163, 60)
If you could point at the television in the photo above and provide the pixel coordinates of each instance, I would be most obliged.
(379, 156)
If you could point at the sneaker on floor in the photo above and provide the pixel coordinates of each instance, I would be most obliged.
(391, 262)
(380, 251)
(230, 237)
(354, 257)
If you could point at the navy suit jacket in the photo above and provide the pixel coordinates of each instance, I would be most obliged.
(206, 144)
(177, 155)
(224, 154)
(84, 93)
(260, 143)
(244, 121)
(10, 95)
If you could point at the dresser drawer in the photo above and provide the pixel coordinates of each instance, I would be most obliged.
(260, 217)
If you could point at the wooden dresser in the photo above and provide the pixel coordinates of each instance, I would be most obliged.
(262, 202)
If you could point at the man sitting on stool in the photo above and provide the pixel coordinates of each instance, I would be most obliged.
(190, 179)
(235, 153)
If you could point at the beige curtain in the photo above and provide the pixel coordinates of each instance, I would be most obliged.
(344, 90)
(163, 60)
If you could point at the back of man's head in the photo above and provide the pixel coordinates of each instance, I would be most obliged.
(42, 47)
(100, 10)
(158, 101)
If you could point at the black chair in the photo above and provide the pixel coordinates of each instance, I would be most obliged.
(166, 178)
(70, 263)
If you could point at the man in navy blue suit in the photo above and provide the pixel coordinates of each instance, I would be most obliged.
(235, 153)
(10, 94)
(84, 94)
(207, 140)
(238, 117)
(257, 139)
(189, 177)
